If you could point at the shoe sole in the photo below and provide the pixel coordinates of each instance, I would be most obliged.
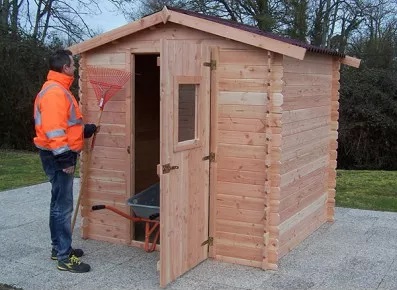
(69, 270)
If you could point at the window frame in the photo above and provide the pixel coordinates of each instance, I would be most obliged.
(192, 143)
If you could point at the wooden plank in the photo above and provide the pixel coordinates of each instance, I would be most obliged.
(243, 262)
(299, 216)
(242, 124)
(351, 61)
(306, 101)
(242, 98)
(239, 176)
(296, 91)
(113, 140)
(245, 164)
(243, 202)
(239, 215)
(306, 155)
(301, 231)
(108, 164)
(243, 151)
(304, 125)
(233, 71)
(93, 217)
(242, 138)
(214, 124)
(304, 79)
(232, 239)
(110, 187)
(295, 154)
(243, 57)
(240, 189)
(304, 114)
(248, 85)
(241, 252)
(237, 227)
(108, 152)
(301, 139)
(109, 175)
(106, 59)
(296, 198)
(106, 231)
(298, 173)
(299, 184)
(107, 117)
(320, 66)
(303, 203)
(242, 111)
(90, 95)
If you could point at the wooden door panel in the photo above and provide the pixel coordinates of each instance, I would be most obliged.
(184, 190)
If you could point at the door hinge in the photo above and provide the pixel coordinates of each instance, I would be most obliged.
(167, 168)
(210, 242)
(210, 157)
(211, 64)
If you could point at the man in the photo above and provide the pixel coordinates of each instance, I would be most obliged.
(60, 133)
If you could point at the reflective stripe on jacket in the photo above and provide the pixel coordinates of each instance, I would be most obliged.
(58, 120)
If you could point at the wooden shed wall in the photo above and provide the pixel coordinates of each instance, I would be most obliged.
(242, 76)
(305, 147)
(110, 167)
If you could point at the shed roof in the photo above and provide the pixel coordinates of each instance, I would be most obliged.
(214, 25)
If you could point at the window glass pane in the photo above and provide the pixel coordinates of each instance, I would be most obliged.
(187, 112)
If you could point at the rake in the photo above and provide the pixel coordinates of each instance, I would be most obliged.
(106, 83)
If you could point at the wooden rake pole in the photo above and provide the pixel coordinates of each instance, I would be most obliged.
(106, 83)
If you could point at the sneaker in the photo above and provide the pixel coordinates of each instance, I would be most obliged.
(75, 252)
(74, 265)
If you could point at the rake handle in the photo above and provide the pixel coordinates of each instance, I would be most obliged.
(85, 171)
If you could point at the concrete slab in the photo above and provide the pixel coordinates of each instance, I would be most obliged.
(357, 251)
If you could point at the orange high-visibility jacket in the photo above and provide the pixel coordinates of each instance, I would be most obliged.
(58, 120)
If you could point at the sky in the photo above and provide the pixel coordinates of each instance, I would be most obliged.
(109, 18)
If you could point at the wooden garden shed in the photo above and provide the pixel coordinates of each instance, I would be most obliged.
(238, 126)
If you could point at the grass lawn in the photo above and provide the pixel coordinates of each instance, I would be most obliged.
(20, 168)
(373, 190)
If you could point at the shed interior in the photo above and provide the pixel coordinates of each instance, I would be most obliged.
(147, 127)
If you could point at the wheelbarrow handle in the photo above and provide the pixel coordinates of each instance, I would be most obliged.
(98, 207)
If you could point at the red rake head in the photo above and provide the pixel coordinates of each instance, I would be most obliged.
(106, 82)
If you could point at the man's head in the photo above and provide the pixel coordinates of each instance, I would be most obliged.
(62, 61)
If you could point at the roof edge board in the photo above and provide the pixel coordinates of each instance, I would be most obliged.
(119, 32)
(351, 61)
(238, 35)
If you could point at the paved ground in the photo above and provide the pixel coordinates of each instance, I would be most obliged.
(358, 251)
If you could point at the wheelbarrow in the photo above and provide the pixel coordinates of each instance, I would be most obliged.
(146, 208)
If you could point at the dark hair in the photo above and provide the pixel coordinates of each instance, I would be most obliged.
(59, 59)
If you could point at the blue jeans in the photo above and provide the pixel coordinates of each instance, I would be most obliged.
(61, 206)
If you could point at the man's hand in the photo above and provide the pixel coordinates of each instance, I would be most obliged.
(68, 170)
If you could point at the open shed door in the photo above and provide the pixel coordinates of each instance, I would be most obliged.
(184, 146)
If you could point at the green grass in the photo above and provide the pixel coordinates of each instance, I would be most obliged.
(20, 168)
(373, 190)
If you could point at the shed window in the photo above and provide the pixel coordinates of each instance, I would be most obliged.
(186, 112)
(187, 119)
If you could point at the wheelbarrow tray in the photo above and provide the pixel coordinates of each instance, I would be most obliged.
(146, 203)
